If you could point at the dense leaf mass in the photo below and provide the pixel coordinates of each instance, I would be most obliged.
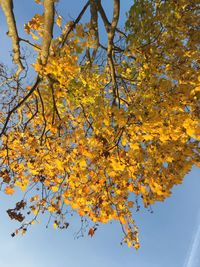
(104, 126)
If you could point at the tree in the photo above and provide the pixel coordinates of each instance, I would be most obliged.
(106, 124)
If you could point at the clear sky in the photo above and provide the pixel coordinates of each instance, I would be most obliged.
(170, 237)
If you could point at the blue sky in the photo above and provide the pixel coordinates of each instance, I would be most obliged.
(167, 237)
(170, 237)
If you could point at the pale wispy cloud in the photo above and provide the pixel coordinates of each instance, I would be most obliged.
(193, 257)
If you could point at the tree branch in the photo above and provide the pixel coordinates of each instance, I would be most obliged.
(74, 23)
(34, 87)
(7, 6)
(48, 29)
(110, 48)
(94, 25)
(106, 22)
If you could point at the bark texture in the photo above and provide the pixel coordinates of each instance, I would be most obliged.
(7, 6)
(48, 29)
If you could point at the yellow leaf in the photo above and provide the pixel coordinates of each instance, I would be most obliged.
(130, 204)
(54, 188)
(51, 209)
(22, 185)
(9, 190)
(59, 21)
(82, 163)
(137, 246)
(131, 187)
(34, 36)
(74, 205)
(81, 213)
(134, 146)
(122, 220)
(59, 164)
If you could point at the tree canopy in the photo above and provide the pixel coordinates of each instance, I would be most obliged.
(110, 117)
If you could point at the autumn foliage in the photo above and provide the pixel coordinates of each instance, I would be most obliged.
(105, 125)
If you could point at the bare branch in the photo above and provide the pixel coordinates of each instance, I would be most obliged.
(48, 29)
(94, 25)
(106, 22)
(28, 42)
(74, 23)
(103, 16)
(114, 23)
(34, 87)
(7, 6)
(110, 48)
